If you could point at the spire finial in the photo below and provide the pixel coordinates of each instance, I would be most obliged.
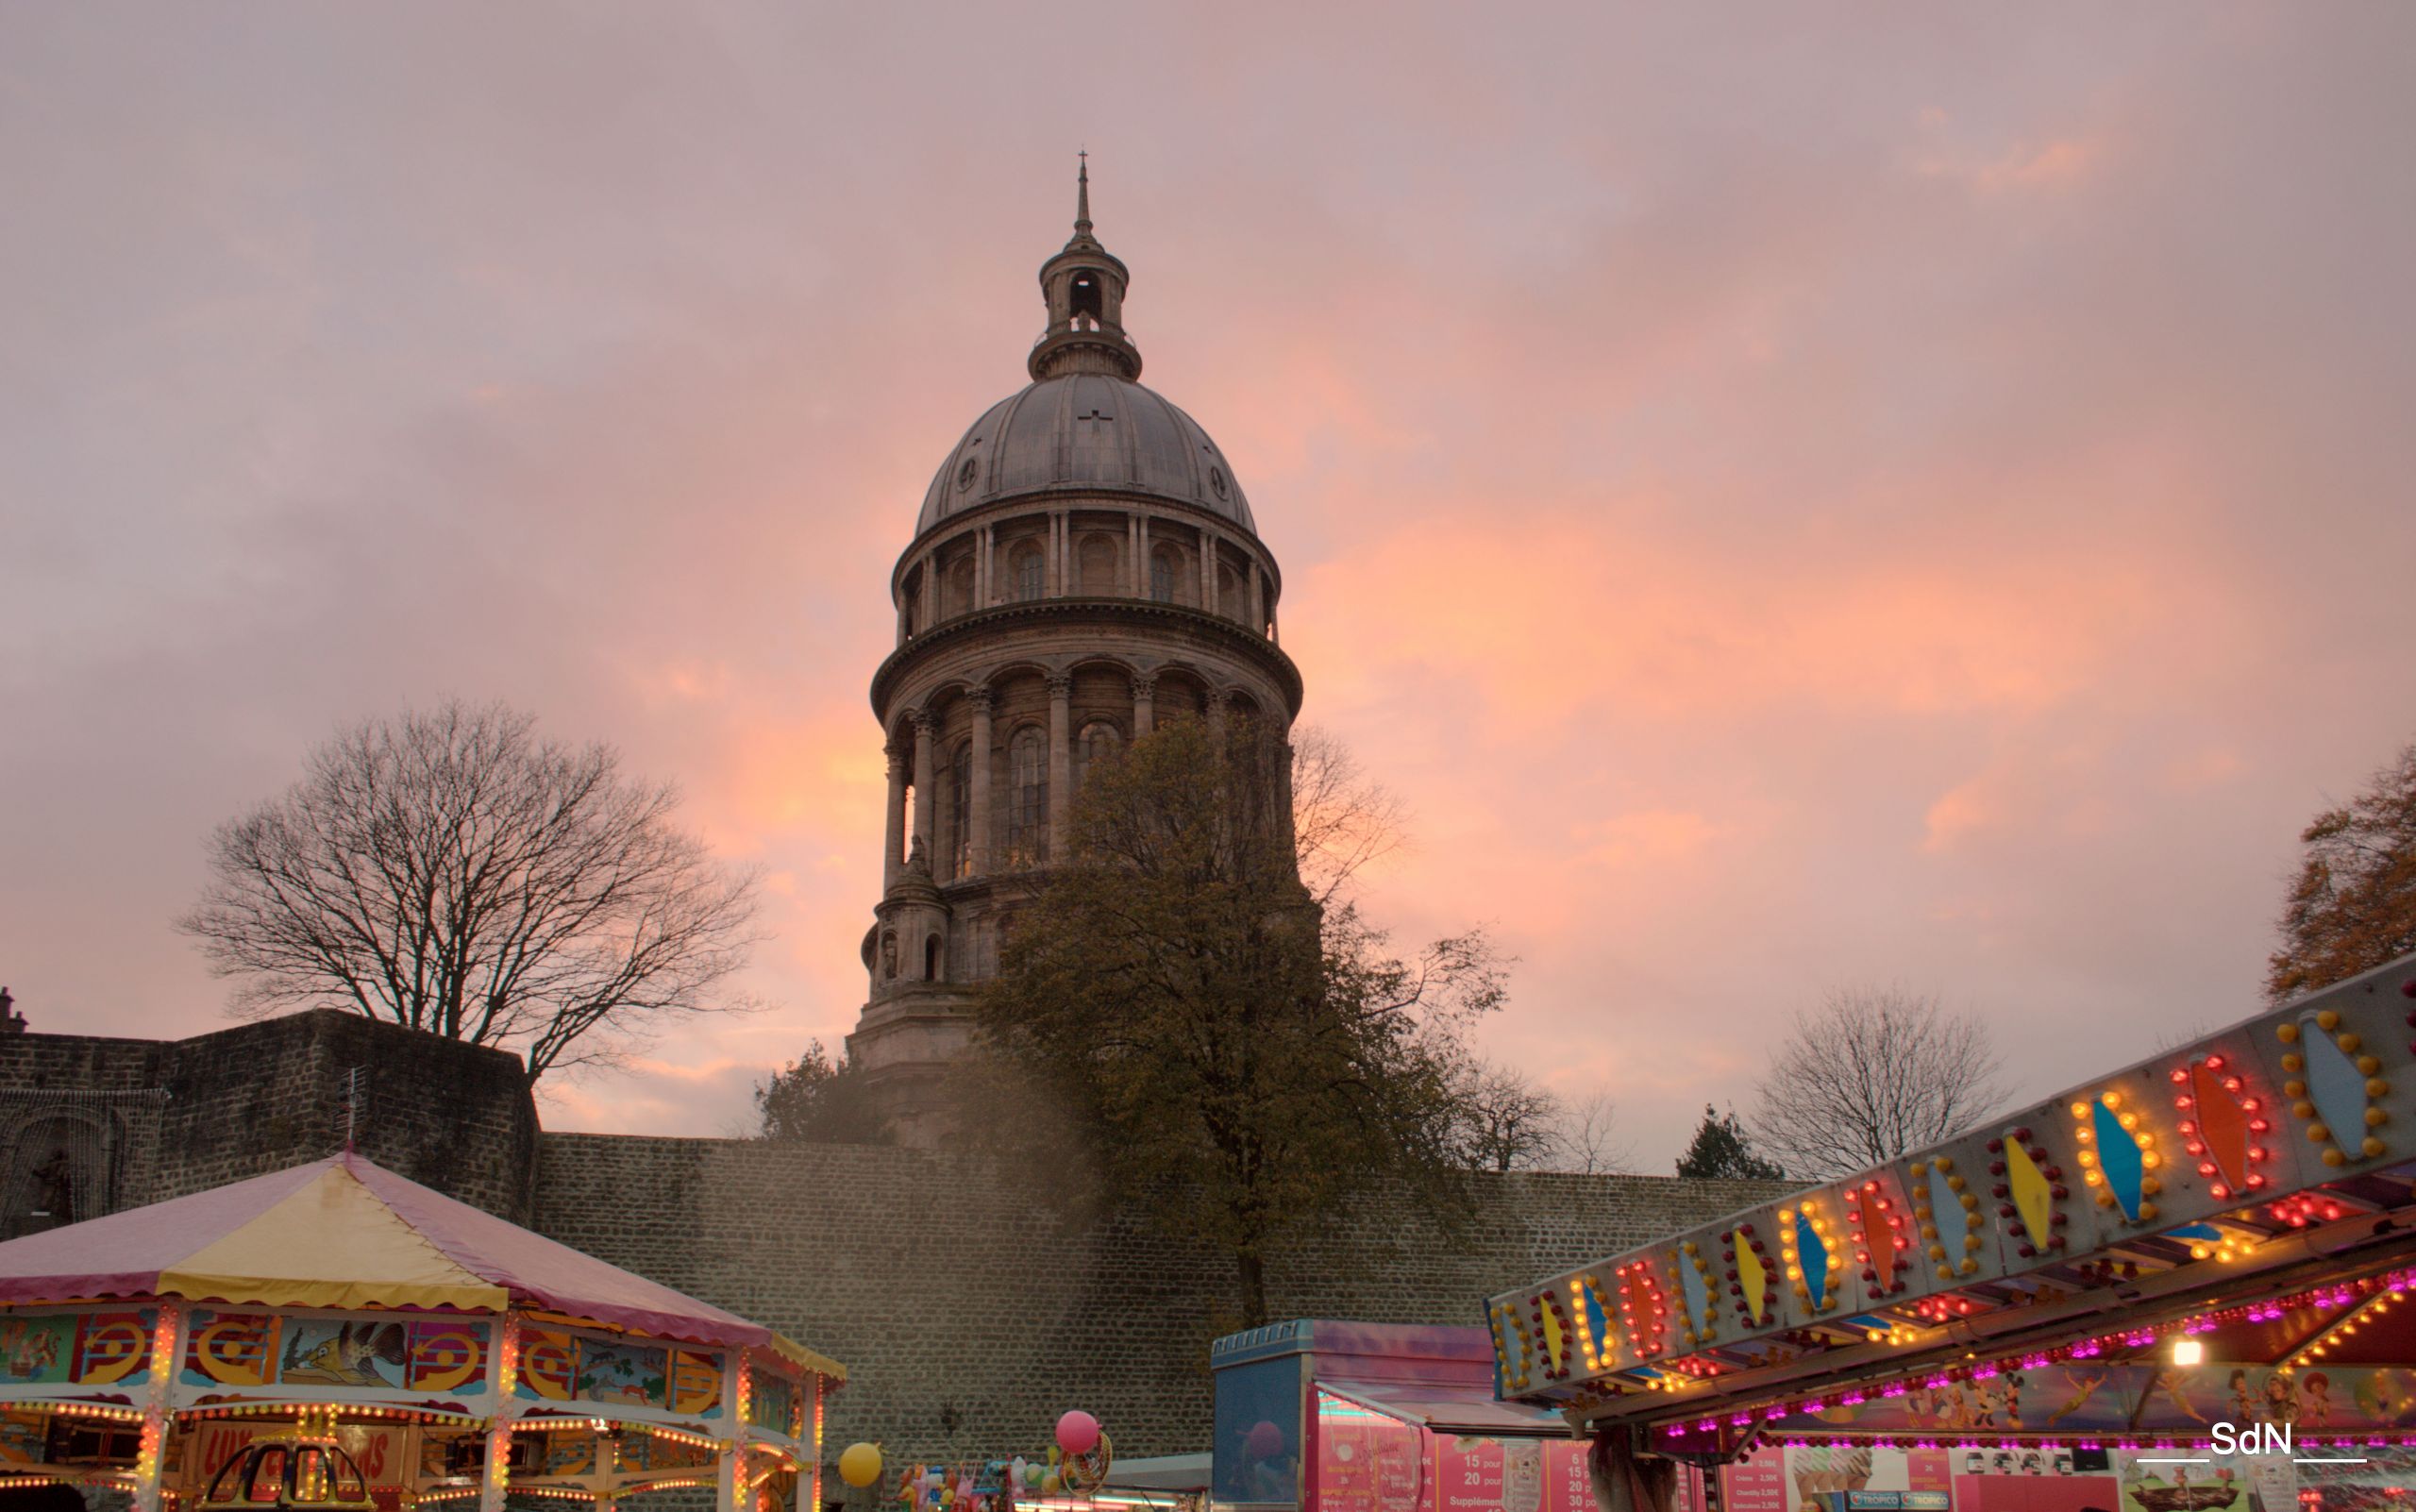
(1082, 196)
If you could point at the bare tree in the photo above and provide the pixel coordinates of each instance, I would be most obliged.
(1506, 1121)
(1341, 819)
(1586, 1140)
(1869, 1075)
(454, 874)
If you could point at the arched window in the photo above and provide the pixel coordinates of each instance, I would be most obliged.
(1098, 565)
(1087, 299)
(58, 1172)
(931, 958)
(1228, 594)
(1026, 571)
(1028, 798)
(960, 587)
(1101, 741)
(960, 809)
(1163, 567)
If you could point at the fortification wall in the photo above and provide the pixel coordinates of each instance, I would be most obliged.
(972, 1318)
(261, 1096)
(970, 1313)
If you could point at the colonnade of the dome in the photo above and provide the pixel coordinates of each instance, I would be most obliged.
(1123, 549)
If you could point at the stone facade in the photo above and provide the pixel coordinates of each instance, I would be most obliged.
(968, 1312)
(972, 1318)
(179, 1116)
(1085, 565)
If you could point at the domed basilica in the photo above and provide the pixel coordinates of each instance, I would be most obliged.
(1085, 565)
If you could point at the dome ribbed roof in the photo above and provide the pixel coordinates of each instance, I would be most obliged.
(1085, 430)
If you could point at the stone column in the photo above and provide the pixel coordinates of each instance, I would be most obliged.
(1134, 585)
(1257, 601)
(926, 812)
(894, 855)
(1145, 705)
(989, 565)
(1207, 572)
(977, 801)
(1142, 560)
(1060, 758)
(1064, 529)
(1219, 699)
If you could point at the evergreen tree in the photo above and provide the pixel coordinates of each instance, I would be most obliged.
(1722, 1149)
(815, 1097)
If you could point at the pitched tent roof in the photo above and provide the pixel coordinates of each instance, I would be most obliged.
(345, 1232)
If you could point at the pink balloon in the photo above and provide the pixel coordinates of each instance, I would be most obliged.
(1265, 1441)
(1077, 1432)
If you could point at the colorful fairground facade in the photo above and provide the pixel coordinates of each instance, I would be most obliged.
(2176, 1287)
(335, 1336)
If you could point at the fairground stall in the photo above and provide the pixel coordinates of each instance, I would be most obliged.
(2180, 1287)
(1344, 1417)
(334, 1335)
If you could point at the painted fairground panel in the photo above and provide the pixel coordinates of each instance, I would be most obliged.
(1878, 1478)
(1367, 1461)
(96, 1354)
(370, 1358)
(618, 1377)
(2204, 1142)
(776, 1402)
(383, 1453)
(2373, 1478)
(2117, 1399)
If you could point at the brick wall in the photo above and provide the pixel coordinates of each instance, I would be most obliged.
(956, 1297)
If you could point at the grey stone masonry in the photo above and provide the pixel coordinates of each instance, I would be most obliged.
(969, 1313)
(956, 1299)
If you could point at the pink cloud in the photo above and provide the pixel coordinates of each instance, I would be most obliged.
(1934, 520)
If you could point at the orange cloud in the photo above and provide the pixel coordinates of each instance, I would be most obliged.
(1554, 614)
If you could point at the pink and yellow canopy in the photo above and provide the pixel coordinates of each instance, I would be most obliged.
(345, 1232)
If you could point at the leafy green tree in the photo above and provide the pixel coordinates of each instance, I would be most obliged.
(814, 1098)
(1240, 1046)
(1722, 1149)
(2353, 905)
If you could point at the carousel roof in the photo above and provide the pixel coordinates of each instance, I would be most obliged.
(345, 1232)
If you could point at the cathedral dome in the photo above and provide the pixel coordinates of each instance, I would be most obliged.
(1085, 431)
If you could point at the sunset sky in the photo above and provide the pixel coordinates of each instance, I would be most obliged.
(1789, 495)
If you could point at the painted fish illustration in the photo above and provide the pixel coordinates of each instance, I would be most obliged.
(346, 1356)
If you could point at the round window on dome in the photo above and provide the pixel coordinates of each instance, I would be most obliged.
(972, 469)
(1217, 480)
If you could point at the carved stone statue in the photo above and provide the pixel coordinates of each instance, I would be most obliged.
(917, 859)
